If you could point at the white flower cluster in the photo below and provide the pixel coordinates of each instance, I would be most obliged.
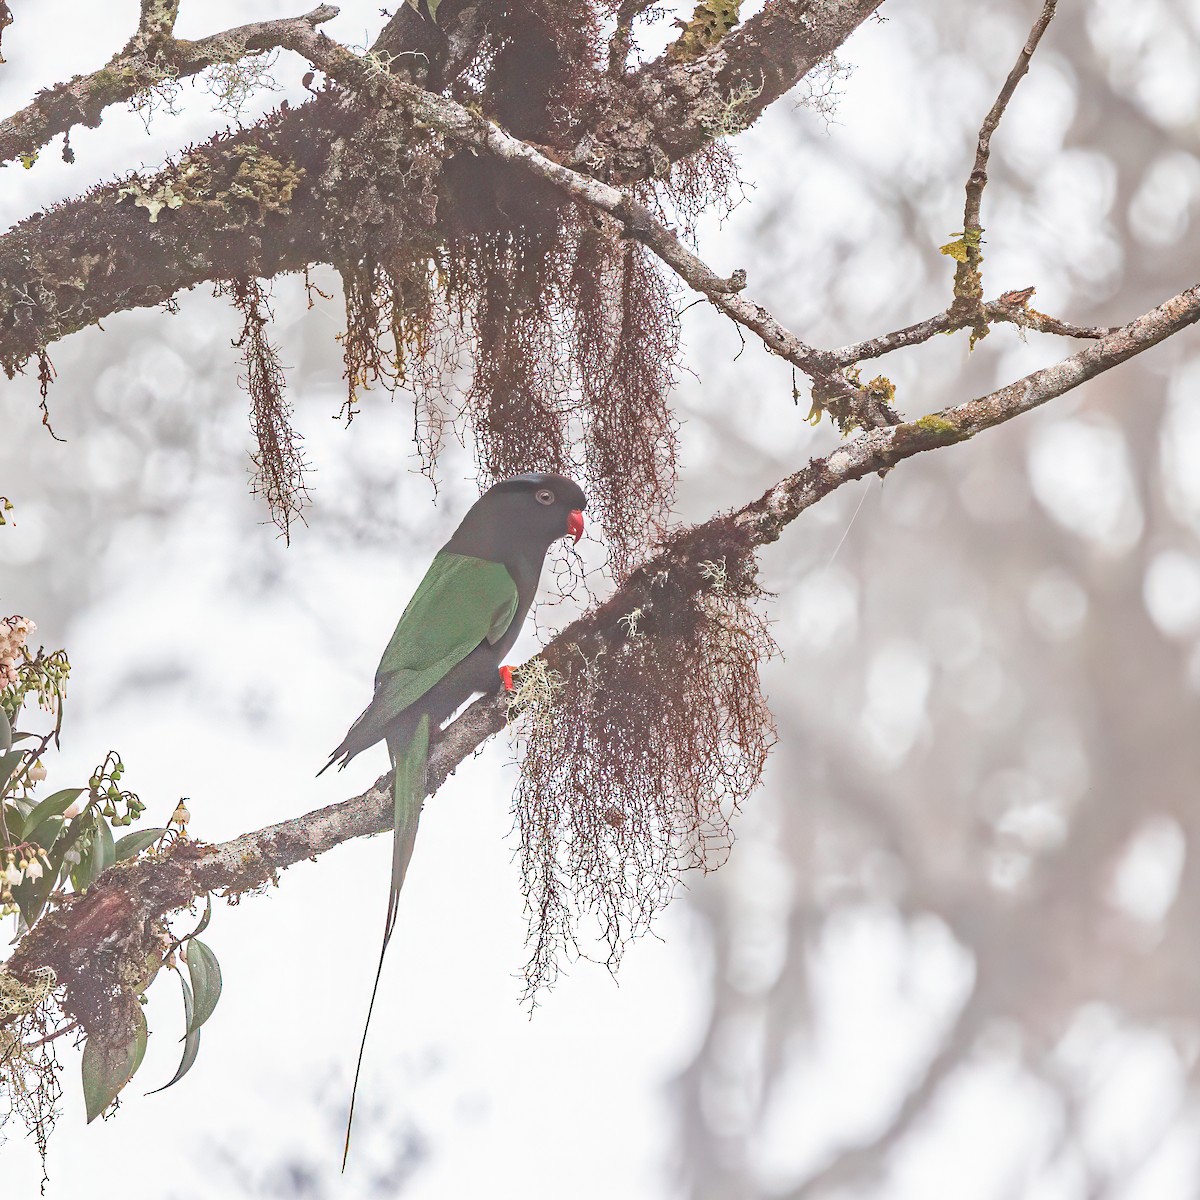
(28, 866)
(14, 632)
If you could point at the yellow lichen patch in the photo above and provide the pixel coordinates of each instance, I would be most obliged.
(262, 179)
(882, 388)
(960, 248)
(711, 21)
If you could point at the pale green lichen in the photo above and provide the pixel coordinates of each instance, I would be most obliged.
(261, 180)
(734, 116)
(532, 697)
(630, 621)
(716, 575)
(264, 180)
(153, 202)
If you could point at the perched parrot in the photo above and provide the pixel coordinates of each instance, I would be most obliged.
(450, 643)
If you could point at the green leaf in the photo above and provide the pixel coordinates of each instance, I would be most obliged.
(46, 834)
(107, 1069)
(191, 1040)
(141, 1036)
(132, 844)
(14, 822)
(104, 851)
(6, 734)
(31, 896)
(8, 764)
(433, 7)
(80, 830)
(204, 920)
(52, 806)
(205, 974)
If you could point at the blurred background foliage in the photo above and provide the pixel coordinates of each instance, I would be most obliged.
(954, 951)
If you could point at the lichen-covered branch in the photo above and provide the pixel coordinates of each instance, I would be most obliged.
(133, 896)
(151, 56)
(471, 129)
(672, 107)
(81, 261)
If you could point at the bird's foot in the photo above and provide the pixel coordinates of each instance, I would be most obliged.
(506, 678)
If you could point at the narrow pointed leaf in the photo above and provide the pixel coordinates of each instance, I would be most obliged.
(53, 806)
(204, 920)
(141, 1036)
(31, 895)
(8, 764)
(47, 833)
(205, 974)
(132, 844)
(14, 822)
(6, 733)
(107, 1069)
(191, 1041)
(104, 852)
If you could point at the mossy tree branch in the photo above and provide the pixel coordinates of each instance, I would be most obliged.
(151, 55)
(140, 893)
(90, 257)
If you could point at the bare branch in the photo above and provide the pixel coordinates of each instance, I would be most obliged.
(1012, 308)
(6, 19)
(968, 281)
(1019, 313)
(142, 63)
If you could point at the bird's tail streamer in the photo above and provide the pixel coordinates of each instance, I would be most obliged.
(408, 791)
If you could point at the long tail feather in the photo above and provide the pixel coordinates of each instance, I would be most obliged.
(409, 761)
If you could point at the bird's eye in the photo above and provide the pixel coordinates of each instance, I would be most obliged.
(545, 496)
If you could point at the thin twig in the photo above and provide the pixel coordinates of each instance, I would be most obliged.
(51, 1036)
(968, 281)
(1014, 313)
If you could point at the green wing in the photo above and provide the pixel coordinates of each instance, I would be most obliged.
(460, 602)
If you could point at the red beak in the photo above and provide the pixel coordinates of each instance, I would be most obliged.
(575, 524)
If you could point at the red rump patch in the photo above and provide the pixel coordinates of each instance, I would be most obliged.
(506, 678)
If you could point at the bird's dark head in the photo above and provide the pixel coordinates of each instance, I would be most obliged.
(523, 514)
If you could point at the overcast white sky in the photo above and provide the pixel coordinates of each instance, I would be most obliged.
(224, 666)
